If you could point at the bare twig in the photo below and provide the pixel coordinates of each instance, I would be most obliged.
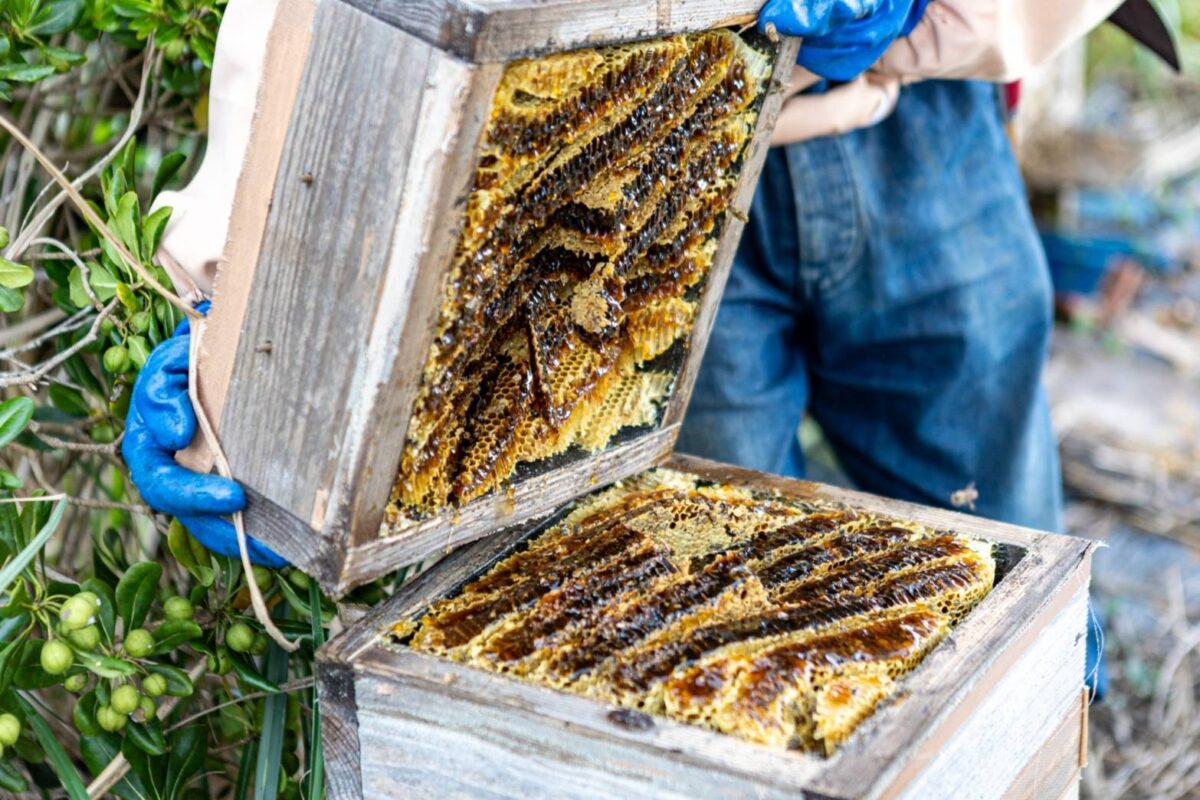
(37, 373)
(290, 686)
(88, 213)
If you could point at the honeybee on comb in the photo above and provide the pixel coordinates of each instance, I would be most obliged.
(598, 197)
(781, 622)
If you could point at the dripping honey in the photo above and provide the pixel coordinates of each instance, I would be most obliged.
(781, 622)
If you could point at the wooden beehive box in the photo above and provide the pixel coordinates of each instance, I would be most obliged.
(370, 166)
(997, 709)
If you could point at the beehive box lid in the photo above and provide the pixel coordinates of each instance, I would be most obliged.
(486, 31)
(315, 389)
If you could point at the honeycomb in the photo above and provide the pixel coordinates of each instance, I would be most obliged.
(777, 621)
(597, 203)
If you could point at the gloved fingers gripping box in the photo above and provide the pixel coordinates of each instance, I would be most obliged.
(476, 253)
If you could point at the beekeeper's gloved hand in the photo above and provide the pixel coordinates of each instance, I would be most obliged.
(161, 421)
(841, 39)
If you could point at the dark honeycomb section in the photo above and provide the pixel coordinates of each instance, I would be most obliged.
(598, 199)
(780, 622)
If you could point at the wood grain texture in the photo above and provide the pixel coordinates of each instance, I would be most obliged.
(339, 732)
(1002, 681)
(282, 71)
(485, 31)
(327, 243)
(524, 501)
(453, 113)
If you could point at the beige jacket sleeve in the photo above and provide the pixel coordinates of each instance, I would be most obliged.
(195, 236)
(992, 40)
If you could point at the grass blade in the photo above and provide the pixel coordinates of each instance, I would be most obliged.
(21, 560)
(270, 743)
(62, 764)
(316, 750)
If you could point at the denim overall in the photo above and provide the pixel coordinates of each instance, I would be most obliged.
(890, 282)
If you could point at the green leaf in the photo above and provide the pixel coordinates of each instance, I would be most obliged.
(10, 779)
(245, 771)
(25, 73)
(10, 659)
(56, 16)
(9, 482)
(84, 715)
(178, 682)
(139, 350)
(316, 750)
(270, 741)
(248, 676)
(14, 275)
(103, 284)
(69, 400)
(15, 414)
(136, 592)
(99, 751)
(78, 296)
(188, 751)
(173, 633)
(105, 666)
(148, 736)
(167, 168)
(11, 300)
(149, 770)
(62, 764)
(152, 230)
(125, 223)
(20, 561)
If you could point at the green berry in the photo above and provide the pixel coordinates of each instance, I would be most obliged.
(56, 657)
(298, 579)
(77, 612)
(290, 762)
(110, 720)
(10, 729)
(103, 433)
(261, 643)
(75, 683)
(116, 360)
(125, 699)
(148, 707)
(154, 685)
(86, 639)
(239, 638)
(140, 322)
(262, 577)
(139, 643)
(178, 608)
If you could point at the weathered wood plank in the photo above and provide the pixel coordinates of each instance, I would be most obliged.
(486, 31)
(282, 72)
(327, 242)
(522, 502)
(453, 113)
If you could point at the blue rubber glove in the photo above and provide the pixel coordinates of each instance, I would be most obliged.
(842, 38)
(161, 421)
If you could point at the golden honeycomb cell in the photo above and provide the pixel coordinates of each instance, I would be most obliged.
(602, 181)
(778, 621)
